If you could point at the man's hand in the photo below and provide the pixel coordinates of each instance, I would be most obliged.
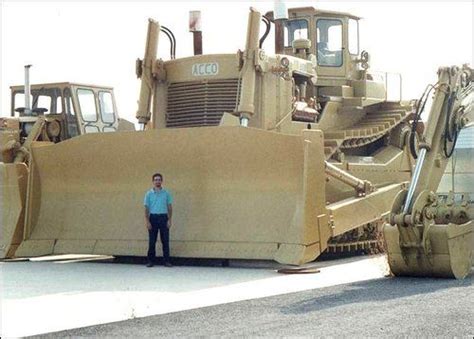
(147, 219)
(169, 223)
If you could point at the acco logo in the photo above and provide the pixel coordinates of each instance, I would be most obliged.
(211, 68)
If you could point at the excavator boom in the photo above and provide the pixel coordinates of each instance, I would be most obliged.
(423, 239)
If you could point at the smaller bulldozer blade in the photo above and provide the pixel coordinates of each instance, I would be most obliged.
(451, 253)
(238, 193)
(13, 179)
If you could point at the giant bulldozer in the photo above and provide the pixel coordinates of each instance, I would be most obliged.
(268, 156)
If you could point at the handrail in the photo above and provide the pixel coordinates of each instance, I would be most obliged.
(385, 76)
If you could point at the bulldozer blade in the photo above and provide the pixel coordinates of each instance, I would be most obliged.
(13, 185)
(238, 193)
(451, 252)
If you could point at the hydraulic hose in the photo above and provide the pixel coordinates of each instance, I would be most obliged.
(419, 110)
(172, 39)
(267, 30)
(451, 133)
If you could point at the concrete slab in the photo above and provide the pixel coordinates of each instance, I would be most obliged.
(43, 296)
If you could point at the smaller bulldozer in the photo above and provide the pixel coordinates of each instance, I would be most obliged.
(269, 156)
(45, 114)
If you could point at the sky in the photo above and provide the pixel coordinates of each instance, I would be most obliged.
(98, 42)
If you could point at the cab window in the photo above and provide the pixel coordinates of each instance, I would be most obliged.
(353, 37)
(71, 120)
(19, 101)
(91, 129)
(59, 104)
(295, 29)
(42, 101)
(329, 42)
(68, 102)
(106, 104)
(87, 104)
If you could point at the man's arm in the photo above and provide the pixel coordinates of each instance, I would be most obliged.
(170, 214)
(147, 218)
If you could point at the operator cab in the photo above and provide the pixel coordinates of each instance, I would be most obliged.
(333, 36)
(73, 109)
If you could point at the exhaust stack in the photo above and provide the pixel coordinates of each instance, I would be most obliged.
(27, 90)
(280, 14)
(195, 28)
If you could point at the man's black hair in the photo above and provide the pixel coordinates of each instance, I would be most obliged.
(157, 175)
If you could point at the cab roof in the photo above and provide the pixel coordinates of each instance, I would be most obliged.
(303, 11)
(59, 84)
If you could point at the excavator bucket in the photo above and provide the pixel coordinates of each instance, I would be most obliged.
(451, 252)
(13, 186)
(238, 193)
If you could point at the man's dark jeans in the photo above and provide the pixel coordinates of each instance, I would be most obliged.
(159, 223)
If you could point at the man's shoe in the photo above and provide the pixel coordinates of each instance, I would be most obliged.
(150, 264)
(168, 264)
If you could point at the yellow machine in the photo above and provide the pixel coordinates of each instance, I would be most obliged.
(45, 114)
(267, 156)
(431, 238)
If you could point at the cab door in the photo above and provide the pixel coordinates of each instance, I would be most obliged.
(97, 110)
(107, 110)
(330, 47)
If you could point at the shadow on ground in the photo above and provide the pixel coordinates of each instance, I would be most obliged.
(376, 290)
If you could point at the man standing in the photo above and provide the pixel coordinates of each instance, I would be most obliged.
(158, 213)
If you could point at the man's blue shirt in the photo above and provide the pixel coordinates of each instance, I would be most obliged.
(157, 201)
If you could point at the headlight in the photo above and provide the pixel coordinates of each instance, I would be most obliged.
(285, 62)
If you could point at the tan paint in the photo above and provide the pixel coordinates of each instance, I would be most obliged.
(204, 187)
(254, 193)
(15, 151)
(13, 186)
(146, 72)
(246, 106)
(419, 243)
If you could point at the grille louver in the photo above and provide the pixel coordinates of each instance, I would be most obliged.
(200, 103)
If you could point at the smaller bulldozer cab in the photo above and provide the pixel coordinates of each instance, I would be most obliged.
(77, 108)
(333, 39)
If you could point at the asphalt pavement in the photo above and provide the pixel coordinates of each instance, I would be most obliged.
(56, 293)
(64, 296)
(384, 307)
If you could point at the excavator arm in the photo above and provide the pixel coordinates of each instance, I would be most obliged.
(422, 239)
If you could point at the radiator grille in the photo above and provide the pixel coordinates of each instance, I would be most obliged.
(200, 103)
